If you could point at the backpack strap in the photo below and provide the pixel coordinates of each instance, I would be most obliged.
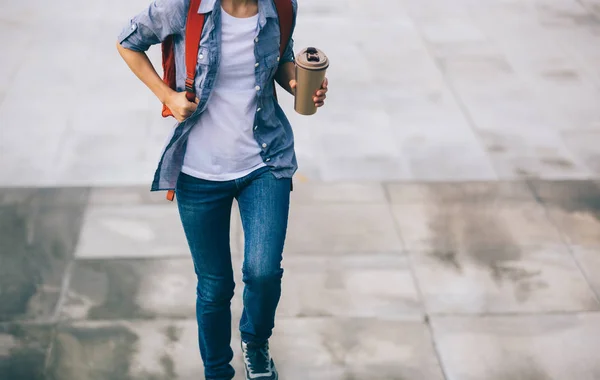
(285, 13)
(193, 34)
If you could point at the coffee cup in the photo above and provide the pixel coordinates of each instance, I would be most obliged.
(311, 65)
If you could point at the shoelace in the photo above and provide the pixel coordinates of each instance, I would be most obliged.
(257, 359)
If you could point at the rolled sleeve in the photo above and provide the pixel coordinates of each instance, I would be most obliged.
(161, 19)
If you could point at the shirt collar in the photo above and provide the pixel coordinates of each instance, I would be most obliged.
(266, 8)
(206, 6)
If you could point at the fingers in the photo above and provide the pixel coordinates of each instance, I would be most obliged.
(187, 111)
(320, 96)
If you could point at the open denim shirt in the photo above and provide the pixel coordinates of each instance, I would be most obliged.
(272, 130)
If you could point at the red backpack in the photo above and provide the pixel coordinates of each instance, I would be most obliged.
(193, 34)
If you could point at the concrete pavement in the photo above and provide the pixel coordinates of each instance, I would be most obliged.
(476, 280)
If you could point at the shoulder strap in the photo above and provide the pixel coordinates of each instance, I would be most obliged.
(285, 13)
(193, 34)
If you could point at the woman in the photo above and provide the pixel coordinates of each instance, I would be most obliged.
(234, 141)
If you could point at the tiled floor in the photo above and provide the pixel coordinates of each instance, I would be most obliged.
(455, 281)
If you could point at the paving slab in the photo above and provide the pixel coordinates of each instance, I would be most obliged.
(589, 262)
(574, 206)
(317, 348)
(127, 196)
(165, 350)
(338, 228)
(130, 289)
(435, 225)
(503, 281)
(23, 350)
(376, 349)
(524, 347)
(582, 142)
(376, 168)
(481, 192)
(353, 285)
(337, 192)
(39, 230)
(539, 153)
(133, 231)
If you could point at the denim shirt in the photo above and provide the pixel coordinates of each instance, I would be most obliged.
(272, 130)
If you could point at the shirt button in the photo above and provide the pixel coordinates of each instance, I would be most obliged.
(133, 27)
(268, 159)
(257, 88)
(264, 145)
(256, 39)
(258, 109)
(256, 64)
(201, 56)
(277, 58)
(255, 127)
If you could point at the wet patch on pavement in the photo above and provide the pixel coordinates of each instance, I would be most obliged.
(39, 230)
(570, 196)
(125, 350)
(575, 208)
(23, 351)
(134, 288)
(98, 352)
(494, 238)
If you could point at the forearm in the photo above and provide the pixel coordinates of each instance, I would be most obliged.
(141, 66)
(285, 74)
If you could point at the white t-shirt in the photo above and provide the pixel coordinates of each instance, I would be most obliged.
(222, 146)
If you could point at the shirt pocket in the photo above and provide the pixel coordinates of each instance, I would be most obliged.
(270, 64)
(203, 67)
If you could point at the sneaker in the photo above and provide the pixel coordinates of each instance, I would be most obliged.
(258, 362)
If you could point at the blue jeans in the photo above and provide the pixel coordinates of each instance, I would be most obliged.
(205, 211)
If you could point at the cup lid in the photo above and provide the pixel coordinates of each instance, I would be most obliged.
(312, 59)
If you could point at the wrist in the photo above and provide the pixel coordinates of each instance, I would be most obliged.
(165, 94)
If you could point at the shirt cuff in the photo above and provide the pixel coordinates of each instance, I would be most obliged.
(129, 38)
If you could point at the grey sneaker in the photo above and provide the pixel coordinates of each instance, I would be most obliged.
(258, 362)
